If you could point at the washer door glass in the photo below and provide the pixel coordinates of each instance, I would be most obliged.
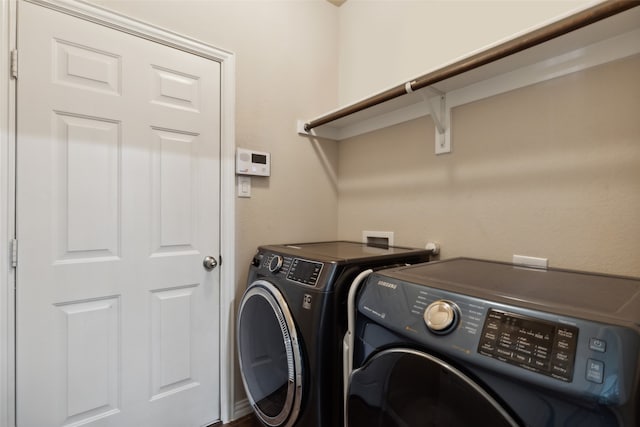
(269, 354)
(407, 388)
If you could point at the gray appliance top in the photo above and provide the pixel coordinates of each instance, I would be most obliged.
(334, 251)
(563, 291)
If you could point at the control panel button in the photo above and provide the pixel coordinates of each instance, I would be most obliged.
(595, 371)
(275, 264)
(559, 369)
(597, 344)
(441, 316)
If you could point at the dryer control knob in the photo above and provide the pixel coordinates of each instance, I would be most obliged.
(441, 316)
(275, 264)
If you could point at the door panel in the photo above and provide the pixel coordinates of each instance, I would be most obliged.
(117, 205)
(174, 177)
(86, 164)
(171, 364)
(91, 336)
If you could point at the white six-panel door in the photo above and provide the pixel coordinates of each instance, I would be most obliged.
(118, 175)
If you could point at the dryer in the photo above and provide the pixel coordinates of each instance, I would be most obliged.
(290, 324)
(471, 342)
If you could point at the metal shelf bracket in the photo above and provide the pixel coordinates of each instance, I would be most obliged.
(437, 106)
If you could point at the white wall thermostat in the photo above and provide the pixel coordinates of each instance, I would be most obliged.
(249, 162)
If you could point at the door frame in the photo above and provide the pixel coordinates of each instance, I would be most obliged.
(119, 22)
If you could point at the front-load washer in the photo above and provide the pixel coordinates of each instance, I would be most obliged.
(467, 342)
(290, 324)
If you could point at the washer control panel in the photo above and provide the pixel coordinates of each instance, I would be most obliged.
(537, 345)
(578, 356)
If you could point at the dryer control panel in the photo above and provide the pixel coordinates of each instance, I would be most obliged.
(295, 269)
(304, 271)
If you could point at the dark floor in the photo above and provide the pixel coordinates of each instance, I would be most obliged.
(248, 421)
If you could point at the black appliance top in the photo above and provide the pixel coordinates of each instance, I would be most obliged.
(344, 251)
(553, 290)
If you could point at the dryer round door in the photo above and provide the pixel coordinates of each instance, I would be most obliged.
(404, 387)
(269, 354)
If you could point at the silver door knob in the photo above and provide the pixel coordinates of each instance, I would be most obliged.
(209, 263)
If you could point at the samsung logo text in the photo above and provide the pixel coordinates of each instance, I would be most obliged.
(387, 284)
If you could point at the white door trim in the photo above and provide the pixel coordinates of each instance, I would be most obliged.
(101, 16)
(7, 210)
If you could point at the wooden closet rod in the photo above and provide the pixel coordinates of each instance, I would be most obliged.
(541, 35)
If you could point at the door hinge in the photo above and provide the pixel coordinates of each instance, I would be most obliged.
(14, 253)
(14, 64)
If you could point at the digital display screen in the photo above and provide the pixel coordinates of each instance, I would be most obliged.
(303, 271)
(258, 158)
(536, 345)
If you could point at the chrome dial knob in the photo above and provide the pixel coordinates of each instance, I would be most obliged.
(441, 316)
(275, 263)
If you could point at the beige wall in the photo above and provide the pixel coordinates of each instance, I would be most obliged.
(389, 42)
(551, 170)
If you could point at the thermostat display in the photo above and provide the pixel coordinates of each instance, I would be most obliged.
(249, 162)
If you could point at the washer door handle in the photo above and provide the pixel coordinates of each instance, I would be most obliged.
(209, 263)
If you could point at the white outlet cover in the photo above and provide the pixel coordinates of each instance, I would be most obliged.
(530, 261)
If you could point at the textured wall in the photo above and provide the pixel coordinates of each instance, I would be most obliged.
(388, 42)
(550, 170)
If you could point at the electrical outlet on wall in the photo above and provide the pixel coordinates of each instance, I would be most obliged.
(434, 247)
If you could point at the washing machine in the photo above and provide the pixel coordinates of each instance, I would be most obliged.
(467, 342)
(290, 324)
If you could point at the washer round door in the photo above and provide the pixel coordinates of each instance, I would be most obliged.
(269, 354)
(408, 388)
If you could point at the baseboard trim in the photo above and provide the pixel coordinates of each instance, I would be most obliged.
(241, 408)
